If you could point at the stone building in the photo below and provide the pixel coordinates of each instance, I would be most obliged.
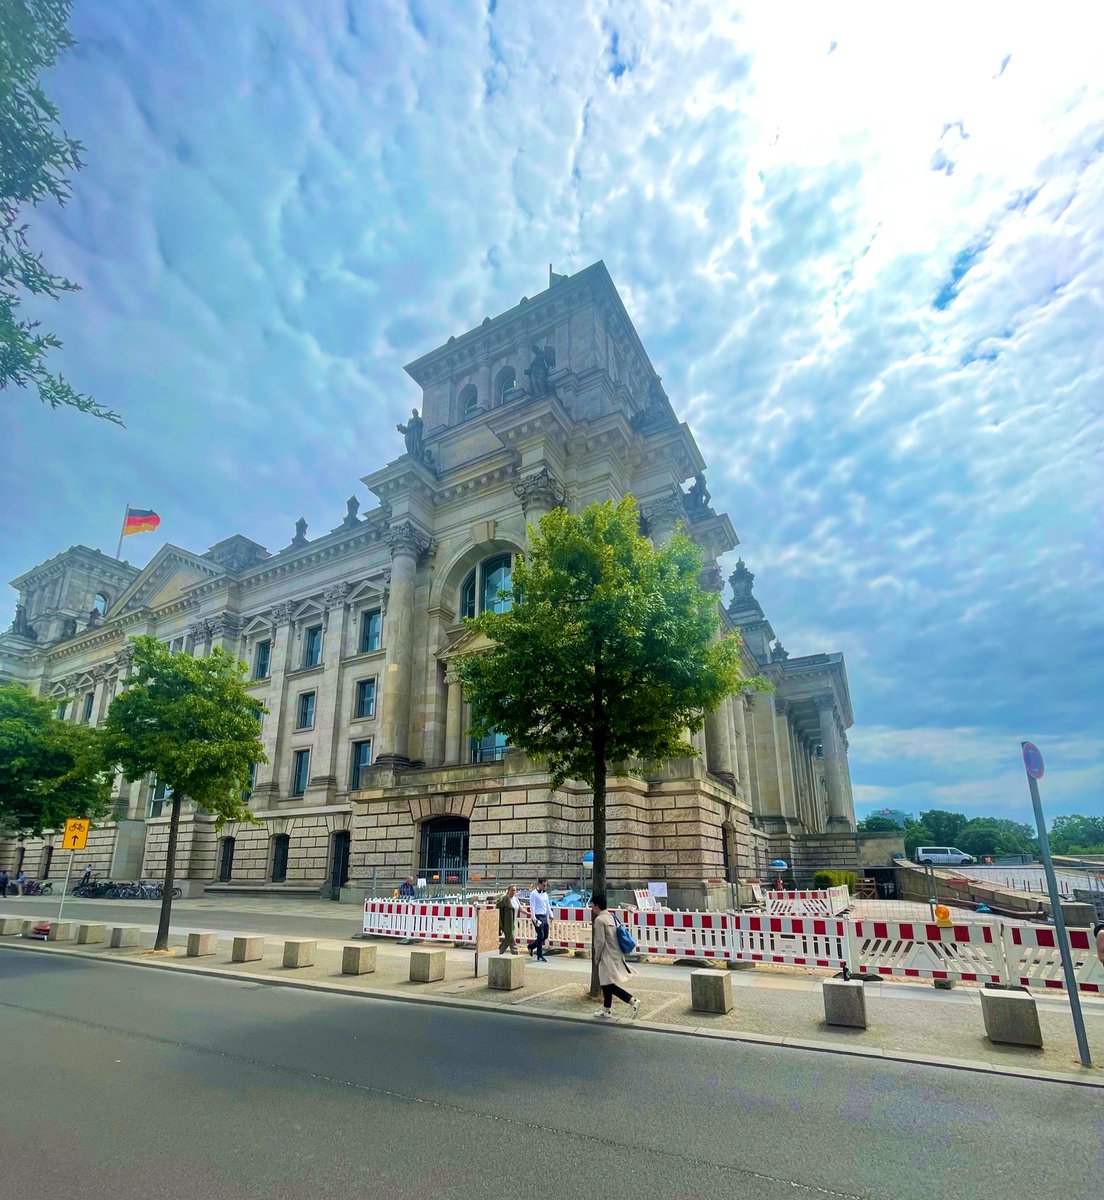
(349, 638)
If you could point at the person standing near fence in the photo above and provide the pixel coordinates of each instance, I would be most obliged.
(540, 910)
(3, 883)
(1098, 933)
(507, 920)
(613, 971)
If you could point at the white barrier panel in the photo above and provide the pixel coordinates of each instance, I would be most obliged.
(1033, 958)
(829, 902)
(421, 920)
(917, 950)
(810, 942)
(681, 934)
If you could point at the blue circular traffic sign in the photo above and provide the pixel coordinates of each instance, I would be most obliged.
(1033, 760)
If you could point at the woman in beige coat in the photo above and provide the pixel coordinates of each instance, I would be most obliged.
(613, 972)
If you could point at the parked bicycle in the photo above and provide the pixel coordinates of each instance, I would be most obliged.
(113, 889)
(34, 887)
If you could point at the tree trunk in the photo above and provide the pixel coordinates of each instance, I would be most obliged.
(598, 837)
(162, 942)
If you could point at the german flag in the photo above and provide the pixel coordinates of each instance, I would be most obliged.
(140, 520)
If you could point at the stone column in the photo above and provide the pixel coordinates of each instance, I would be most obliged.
(739, 708)
(717, 746)
(539, 493)
(272, 737)
(454, 720)
(199, 633)
(787, 785)
(327, 717)
(407, 543)
(484, 384)
(99, 703)
(662, 516)
(833, 753)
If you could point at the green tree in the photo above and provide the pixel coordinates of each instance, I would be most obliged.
(36, 157)
(609, 652)
(994, 836)
(943, 826)
(876, 824)
(917, 834)
(50, 770)
(1076, 834)
(192, 723)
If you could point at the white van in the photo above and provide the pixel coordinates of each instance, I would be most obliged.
(943, 856)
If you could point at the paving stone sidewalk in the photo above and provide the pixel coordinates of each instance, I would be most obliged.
(905, 1020)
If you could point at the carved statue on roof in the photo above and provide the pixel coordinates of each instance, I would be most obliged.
(741, 580)
(412, 433)
(544, 359)
(300, 538)
(21, 627)
(779, 653)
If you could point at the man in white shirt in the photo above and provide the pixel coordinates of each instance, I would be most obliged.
(540, 910)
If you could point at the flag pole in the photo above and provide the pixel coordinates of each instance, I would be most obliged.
(122, 530)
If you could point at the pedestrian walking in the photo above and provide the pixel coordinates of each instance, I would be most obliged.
(540, 910)
(21, 881)
(507, 920)
(613, 971)
(1098, 933)
(3, 883)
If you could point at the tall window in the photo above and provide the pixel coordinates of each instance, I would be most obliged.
(160, 795)
(361, 758)
(504, 381)
(300, 772)
(312, 646)
(262, 659)
(304, 712)
(100, 604)
(480, 591)
(469, 401)
(371, 626)
(252, 783)
(62, 706)
(491, 748)
(226, 859)
(281, 844)
(89, 699)
(366, 698)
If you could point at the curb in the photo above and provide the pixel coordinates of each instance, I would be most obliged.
(546, 1014)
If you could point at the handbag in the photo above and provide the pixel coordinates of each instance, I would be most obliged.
(625, 942)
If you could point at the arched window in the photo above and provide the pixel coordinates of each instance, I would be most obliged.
(504, 381)
(469, 401)
(281, 844)
(101, 604)
(480, 590)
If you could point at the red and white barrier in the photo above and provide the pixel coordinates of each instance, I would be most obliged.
(1025, 956)
(829, 902)
(918, 950)
(1033, 959)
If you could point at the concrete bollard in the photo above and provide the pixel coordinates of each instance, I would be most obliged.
(28, 929)
(91, 934)
(1011, 1017)
(427, 966)
(505, 972)
(200, 945)
(11, 926)
(247, 949)
(299, 952)
(124, 935)
(845, 1003)
(60, 931)
(710, 991)
(358, 960)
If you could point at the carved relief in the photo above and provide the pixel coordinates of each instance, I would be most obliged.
(541, 489)
(334, 595)
(407, 538)
(282, 613)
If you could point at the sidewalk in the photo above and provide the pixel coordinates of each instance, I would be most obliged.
(908, 1021)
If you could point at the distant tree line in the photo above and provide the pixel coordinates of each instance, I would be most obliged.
(992, 837)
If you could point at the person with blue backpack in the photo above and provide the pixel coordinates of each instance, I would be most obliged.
(612, 941)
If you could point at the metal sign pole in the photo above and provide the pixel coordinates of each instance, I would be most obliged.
(1033, 764)
(65, 886)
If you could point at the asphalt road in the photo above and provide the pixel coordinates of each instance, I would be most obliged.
(126, 1082)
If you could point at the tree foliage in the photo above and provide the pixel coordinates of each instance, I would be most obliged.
(1076, 834)
(36, 157)
(192, 723)
(50, 769)
(608, 653)
(877, 824)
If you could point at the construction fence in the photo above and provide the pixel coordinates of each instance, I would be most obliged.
(973, 952)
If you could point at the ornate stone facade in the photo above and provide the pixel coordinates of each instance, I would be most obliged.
(349, 639)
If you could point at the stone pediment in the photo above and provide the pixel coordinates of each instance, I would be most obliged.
(467, 641)
(168, 576)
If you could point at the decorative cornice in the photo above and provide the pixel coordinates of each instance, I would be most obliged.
(335, 595)
(282, 613)
(710, 578)
(225, 624)
(662, 511)
(541, 489)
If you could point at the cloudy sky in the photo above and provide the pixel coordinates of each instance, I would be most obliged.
(862, 245)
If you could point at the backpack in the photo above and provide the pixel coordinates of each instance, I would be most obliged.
(625, 942)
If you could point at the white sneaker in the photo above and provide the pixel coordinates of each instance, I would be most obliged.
(604, 1012)
(634, 1005)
